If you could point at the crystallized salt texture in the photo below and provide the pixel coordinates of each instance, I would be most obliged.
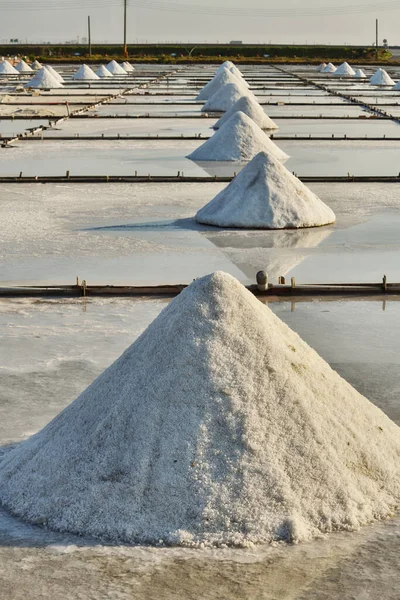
(359, 74)
(330, 68)
(55, 73)
(380, 77)
(115, 68)
(44, 79)
(219, 425)
(127, 67)
(265, 195)
(226, 97)
(36, 65)
(7, 69)
(250, 107)
(85, 73)
(321, 67)
(23, 67)
(217, 83)
(103, 72)
(345, 70)
(238, 139)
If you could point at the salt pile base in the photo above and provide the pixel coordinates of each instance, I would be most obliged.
(85, 73)
(115, 68)
(330, 68)
(219, 425)
(103, 72)
(23, 67)
(238, 139)
(216, 83)
(345, 70)
(44, 79)
(380, 77)
(226, 97)
(7, 69)
(250, 107)
(265, 195)
(359, 74)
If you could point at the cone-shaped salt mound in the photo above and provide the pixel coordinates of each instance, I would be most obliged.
(213, 86)
(7, 69)
(55, 73)
(345, 70)
(321, 67)
(380, 77)
(265, 195)
(228, 65)
(397, 86)
(85, 73)
(23, 67)
(218, 425)
(250, 107)
(330, 68)
(359, 74)
(238, 139)
(103, 72)
(36, 65)
(127, 67)
(226, 97)
(115, 68)
(44, 79)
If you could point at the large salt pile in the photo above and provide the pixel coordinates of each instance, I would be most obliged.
(219, 425)
(7, 69)
(321, 67)
(265, 195)
(115, 68)
(55, 73)
(250, 107)
(127, 67)
(345, 70)
(103, 72)
(23, 67)
(216, 83)
(44, 79)
(330, 68)
(239, 139)
(380, 77)
(36, 65)
(226, 97)
(85, 73)
(228, 65)
(359, 74)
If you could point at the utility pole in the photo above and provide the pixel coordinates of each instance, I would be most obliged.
(125, 46)
(377, 38)
(89, 37)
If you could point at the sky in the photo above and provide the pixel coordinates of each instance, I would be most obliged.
(193, 21)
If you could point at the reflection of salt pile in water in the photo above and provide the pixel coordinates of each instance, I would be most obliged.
(217, 83)
(345, 70)
(250, 107)
(23, 67)
(36, 65)
(115, 68)
(265, 195)
(103, 72)
(85, 73)
(359, 74)
(321, 67)
(55, 73)
(380, 77)
(219, 425)
(330, 68)
(43, 79)
(127, 67)
(226, 97)
(7, 69)
(238, 139)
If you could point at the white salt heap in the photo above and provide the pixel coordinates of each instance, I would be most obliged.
(85, 73)
(397, 86)
(239, 139)
(321, 67)
(228, 65)
(226, 97)
(44, 79)
(359, 74)
(265, 195)
(127, 67)
(330, 68)
(7, 69)
(380, 77)
(115, 68)
(36, 65)
(217, 83)
(250, 107)
(55, 73)
(23, 67)
(219, 425)
(103, 72)
(345, 70)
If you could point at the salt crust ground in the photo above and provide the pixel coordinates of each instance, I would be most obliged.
(239, 139)
(250, 107)
(217, 82)
(226, 97)
(265, 195)
(85, 73)
(381, 77)
(219, 425)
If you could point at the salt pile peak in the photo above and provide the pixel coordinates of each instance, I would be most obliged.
(265, 195)
(127, 67)
(55, 73)
(381, 77)
(44, 79)
(85, 73)
(217, 83)
(226, 97)
(250, 107)
(239, 139)
(7, 69)
(233, 69)
(219, 425)
(115, 68)
(321, 67)
(344, 70)
(103, 72)
(330, 68)
(359, 74)
(23, 67)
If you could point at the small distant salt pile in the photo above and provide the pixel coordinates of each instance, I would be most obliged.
(330, 68)
(359, 74)
(265, 195)
(7, 69)
(127, 67)
(380, 77)
(219, 425)
(115, 68)
(55, 73)
(250, 107)
(103, 72)
(44, 79)
(23, 67)
(85, 73)
(36, 65)
(226, 97)
(345, 70)
(239, 139)
(216, 83)
(321, 67)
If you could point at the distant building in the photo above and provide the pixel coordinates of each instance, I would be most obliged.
(236, 42)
